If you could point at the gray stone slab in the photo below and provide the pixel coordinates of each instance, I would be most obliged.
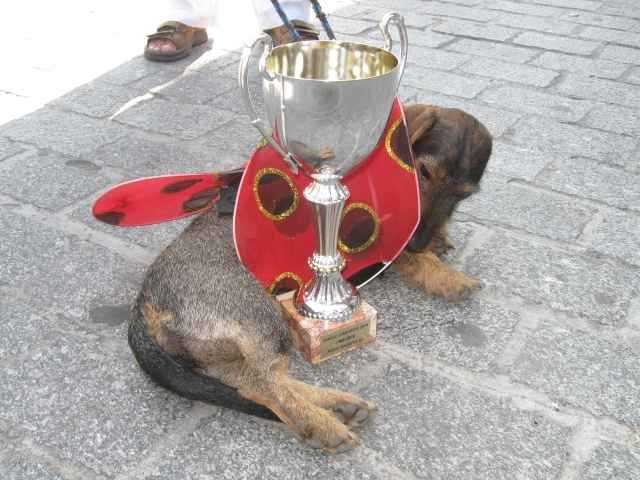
(430, 40)
(557, 43)
(438, 59)
(96, 99)
(15, 465)
(182, 121)
(591, 18)
(525, 8)
(599, 89)
(578, 4)
(351, 26)
(197, 88)
(438, 430)
(634, 76)
(21, 325)
(458, 11)
(9, 148)
(612, 462)
(611, 36)
(575, 64)
(587, 286)
(593, 371)
(517, 162)
(497, 121)
(87, 399)
(621, 54)
(60, 273)
(509, 53)
(617, 234)
(471, 334)
(534, 211)
(622, 9)
(590, 179)
(229, 146)
(528, 22)
(489, 67)
(65, 132)
(537, 102)
(615, 119)
(548, 135)
(444, 82)
(465, 28)
(50, 180)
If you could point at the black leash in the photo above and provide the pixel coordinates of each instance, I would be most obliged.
(319, 13)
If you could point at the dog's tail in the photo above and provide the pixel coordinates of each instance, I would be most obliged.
(179, 376)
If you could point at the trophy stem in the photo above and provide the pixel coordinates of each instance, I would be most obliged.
(328, 296)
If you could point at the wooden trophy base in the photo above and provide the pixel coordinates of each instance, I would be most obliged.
(320, 340)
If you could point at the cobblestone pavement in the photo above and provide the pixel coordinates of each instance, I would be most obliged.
(536, 377)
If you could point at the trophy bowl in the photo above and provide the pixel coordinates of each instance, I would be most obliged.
(327, 104)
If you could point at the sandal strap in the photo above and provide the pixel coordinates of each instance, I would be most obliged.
(170, 27)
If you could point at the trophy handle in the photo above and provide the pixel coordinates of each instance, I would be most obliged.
(398, 20)
(243, 80)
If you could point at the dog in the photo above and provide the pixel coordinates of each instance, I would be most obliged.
(203, 327)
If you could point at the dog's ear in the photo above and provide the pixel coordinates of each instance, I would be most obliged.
(420, 120)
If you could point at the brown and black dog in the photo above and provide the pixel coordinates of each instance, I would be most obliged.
(203, 327)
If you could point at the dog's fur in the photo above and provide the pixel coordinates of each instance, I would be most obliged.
(203, 327)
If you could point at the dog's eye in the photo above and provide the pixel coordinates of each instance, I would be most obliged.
(425, 173)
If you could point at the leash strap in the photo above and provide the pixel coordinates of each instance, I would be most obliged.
(323, 19)
(285, 20)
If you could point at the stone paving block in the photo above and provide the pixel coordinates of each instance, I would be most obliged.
(9, 148)
(578, 4)
(587, 286)
(444, 82)
(79, 384)
(496, 121)
(612, 462)
(65, 132)
(537, 102)
(472, 29)
(50, 180)
(591, 18)
(517, 162)
(614, 119)
(60, 273)
(431, 40)
(452, 10)
(634, 76)
(621, 54)
(138, 155)
(528, 22)
(554, 42)
(95, 99)
(501, 51)
(593, 371)
(197, 88)
(412, 18)
(618, 234)
(623, 10)
(590, 179)
(439, 430)
(489, 67)
(612, 36)
(438, 59)
(575, 64)
(534, 211)
(525, 8)
(352, 27)
(548, 135)
(183, 121)
(16, 465)
(21, 326)
(231, 145)
(471, 334)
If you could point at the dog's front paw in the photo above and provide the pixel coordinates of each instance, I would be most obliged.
(332, 436)
(354, 413)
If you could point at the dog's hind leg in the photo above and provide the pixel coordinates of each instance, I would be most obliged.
(262, 376)
(427, 271)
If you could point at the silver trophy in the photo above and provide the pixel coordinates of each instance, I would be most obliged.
(327, 104)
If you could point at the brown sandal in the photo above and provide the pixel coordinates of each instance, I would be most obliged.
(182, 36)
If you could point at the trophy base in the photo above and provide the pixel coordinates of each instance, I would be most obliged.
(320, 340)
